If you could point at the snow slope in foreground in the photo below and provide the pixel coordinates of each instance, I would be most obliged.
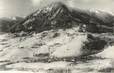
(107, 53)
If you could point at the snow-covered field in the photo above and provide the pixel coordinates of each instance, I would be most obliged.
(16, 49)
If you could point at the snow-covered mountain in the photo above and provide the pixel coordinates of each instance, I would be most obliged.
(59, 39)
(75, 26)
(59, 16)
(7, 22)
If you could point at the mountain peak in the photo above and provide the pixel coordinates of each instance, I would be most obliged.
(59, 16)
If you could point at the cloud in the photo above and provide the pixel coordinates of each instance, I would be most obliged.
(24, 7)
(42, 3)
(106, 5)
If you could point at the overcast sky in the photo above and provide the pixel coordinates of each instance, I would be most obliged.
(25, 7)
